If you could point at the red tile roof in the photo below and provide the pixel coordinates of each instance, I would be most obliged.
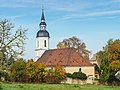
(63, 57)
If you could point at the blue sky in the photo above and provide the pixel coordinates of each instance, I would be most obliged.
(93, 21)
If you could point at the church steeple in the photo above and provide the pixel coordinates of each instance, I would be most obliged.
(42, 18)
(42, 37)
(42, 23)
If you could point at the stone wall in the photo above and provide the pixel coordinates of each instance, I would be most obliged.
(76, 81)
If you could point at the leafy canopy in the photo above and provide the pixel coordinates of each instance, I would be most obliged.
(110, 59)
(76, 43)
(11, 41)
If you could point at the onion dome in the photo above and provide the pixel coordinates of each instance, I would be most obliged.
(42, 33)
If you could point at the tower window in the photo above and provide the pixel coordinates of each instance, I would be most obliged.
(37, 43)
(45, 43)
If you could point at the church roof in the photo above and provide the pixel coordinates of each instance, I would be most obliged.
(43, 33)
(63, 57)
(42, 18)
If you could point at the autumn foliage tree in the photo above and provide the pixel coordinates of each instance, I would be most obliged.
(40, 71)
(30, 68)
(30, 71)
(11, 41)
(18, 71)
(76, 43)
(36, 71)
(110, 60)
(114, 55)
(55, 75)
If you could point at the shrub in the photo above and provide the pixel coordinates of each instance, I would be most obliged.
(40, 71)
(55, 75)
(17, 71)
(77, 75)
(4, 75)
(50, 77)
(69, 75)
(36, 71)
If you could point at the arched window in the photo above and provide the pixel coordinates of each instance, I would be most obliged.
(45, 43)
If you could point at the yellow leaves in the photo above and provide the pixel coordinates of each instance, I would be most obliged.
(114, 51)
(35, 70)
(40, 65)
(115, 65)
(114, 55)
(30, 65)
(60, 72)
(55, 75)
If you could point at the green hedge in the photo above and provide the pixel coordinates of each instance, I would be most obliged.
(77, 75)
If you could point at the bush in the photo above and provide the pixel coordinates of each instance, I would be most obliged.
(55, 75)
(17, 71)
(69, 75)
(51, 77)
(4, 75)
(77, 75)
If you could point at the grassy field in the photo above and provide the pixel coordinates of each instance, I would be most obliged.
(14, 86)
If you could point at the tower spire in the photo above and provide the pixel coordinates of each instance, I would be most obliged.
(42, 23)
(42, 18)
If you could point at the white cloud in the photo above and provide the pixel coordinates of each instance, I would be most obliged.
(104, 13)
(19, 3)
(12, 17)
(92, 14)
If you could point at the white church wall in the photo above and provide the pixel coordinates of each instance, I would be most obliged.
(39, 53)
(88, 70)
(40, 43)
(40, 46)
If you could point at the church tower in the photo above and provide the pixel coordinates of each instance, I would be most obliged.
(42, 38)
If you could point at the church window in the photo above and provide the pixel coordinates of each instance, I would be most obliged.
(38, 44)
(79, 69)
(45, 43)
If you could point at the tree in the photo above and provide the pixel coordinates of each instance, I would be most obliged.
(97, 68)
(40, 71)
(4, 76)
(30, 67)
(18, 71)
(114, 55)
(55, 75)
(76, 43)
(110, 59)
(11, 45)
(36, 71)
(21, 71)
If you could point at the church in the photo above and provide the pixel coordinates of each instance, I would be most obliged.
(68, 58)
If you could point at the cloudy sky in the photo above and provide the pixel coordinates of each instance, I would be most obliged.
(93, 21)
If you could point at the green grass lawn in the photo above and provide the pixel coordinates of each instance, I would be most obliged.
(14, 86)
